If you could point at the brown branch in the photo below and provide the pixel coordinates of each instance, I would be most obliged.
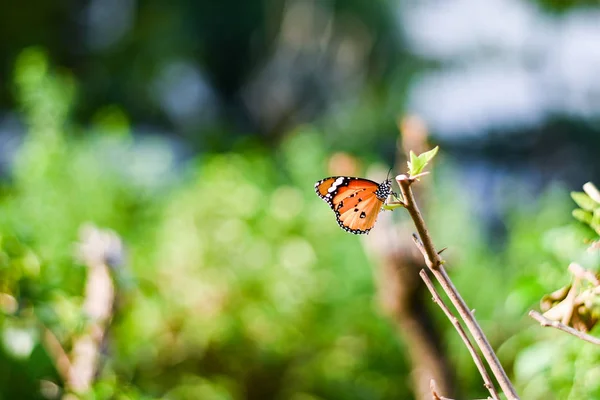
(98, 307)
(77, 371)
(432, 258)
(97, 247)
(56, 353)
(401, 295)
(545, 322)
(436, 396)
(461, 332)
(400, 291)
(435, 264)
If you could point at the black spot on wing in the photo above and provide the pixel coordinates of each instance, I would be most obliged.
(328, 197)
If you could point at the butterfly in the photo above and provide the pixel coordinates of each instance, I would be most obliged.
(355, 201)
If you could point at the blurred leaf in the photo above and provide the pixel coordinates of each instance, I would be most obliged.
(535, 359)
(234, 264)
(19, 341)
(591, 190)
(582, 215)
(584, 201)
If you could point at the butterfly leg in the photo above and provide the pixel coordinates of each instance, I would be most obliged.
(392, 205)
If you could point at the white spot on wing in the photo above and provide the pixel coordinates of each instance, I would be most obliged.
(335, 184)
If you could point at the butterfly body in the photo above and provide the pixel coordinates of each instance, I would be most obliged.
(355, 201)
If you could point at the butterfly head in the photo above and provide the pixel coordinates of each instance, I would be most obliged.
(384, 189)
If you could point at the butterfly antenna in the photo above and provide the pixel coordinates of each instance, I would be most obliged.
(388, 174)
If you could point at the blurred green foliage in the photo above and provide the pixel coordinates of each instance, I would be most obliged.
(238, 283)
(226, 44)
(228, 290)
(554, 365)
(589, 203)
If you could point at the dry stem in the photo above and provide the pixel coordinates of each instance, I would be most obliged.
(461, 332)
(568, 306)
(434, 393)
(434, 262)
(436, 396)
(401, 295)
(560, 326)
(78, 370)
(96, 249)
(401, 292)
(57, 353)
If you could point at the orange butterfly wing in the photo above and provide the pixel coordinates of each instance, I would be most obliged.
(354, 201)
(359, 216)
(324, 186)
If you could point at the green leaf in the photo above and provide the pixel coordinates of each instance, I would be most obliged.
(595, 224)
(582, 215)
(595, 227)
(413, 162)
(418, 163)
(428, 155)
(596, 216)
(584, 201)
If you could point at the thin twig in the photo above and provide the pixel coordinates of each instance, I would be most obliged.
(487, 382)
(57, 353)
(97, 249)
(435, 264)
(433, 259)
(436, 396)
(401, 292)
(562, 327)
(434, 393)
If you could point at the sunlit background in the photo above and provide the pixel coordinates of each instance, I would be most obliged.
(159, 232)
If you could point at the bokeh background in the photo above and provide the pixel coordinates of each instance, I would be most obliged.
(194, 131)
